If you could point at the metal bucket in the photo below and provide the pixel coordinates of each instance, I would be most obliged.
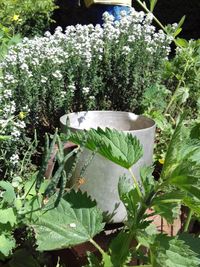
(102, 176)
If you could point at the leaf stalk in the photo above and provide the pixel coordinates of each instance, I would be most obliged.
(136, 183)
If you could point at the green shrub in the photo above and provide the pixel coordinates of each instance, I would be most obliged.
(30, 17)
(86, 67)
(180, 94)
(183, 78)
(23, 18)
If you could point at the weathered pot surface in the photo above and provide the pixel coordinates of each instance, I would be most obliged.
(102, 176)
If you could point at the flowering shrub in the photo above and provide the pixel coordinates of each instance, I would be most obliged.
(11, 132)
(86, 67)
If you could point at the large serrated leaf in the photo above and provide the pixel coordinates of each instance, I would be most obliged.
(9, 193)
(7, 243)
(8, 216)
(122, 149)
(128, 194)
(168, 205)
(119, 247)
(64, 226)
(188, 184)
(173, 252)
(182, 163)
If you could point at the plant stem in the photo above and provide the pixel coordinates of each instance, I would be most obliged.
(148, 11)
(187, 223)
(97, 246)
(177, 88)
(136, 183)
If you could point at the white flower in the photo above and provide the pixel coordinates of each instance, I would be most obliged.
(72, 88)
(149, 17)
(43, 79)
(86, 90)
(7, 94)
(20, 124)
(126, 50)
(57, 74)
(62, 94)
(15, 132)
(91, 97)
(24, 66)
(14, 159)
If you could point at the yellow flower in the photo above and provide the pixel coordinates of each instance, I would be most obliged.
(15, 18)
(22, 115)
(162, 161)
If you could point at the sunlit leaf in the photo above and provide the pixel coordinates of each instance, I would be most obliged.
(122, 149)
(67, 224)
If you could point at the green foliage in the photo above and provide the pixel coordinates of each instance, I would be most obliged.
(9, 193)
(27, 17)
(120, 256)
(7, 39)
(170, 252)
(76, 219)
(122, 149)
(66, 225)
(182, 159)
(7, 244)
(23, 257)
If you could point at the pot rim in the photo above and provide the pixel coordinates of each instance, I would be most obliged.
(151, 121)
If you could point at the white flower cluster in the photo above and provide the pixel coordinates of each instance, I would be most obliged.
(53, 62)
(85, 42)
(10, 124)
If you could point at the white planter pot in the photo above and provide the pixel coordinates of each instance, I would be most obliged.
(102, 176)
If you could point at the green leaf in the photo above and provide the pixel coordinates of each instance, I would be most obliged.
(122, 149)
(119, 247)
(64, 226)
(173, 252)
(4, 137)
(21, 258)
(153, 4)
(181, 42)
(147, 179)
(106, 260)
(125, 185)
(188, 184)
(92, 261)
(8, 216)
(195, 132)
(178, 28)
(169, 211)
(129, 196)
(147, 236)
(192, 241)
(7, 243)
(193, 204)
(168, 205)
(84, 200)
(9, 194)
(183, 156)
(182, 94)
